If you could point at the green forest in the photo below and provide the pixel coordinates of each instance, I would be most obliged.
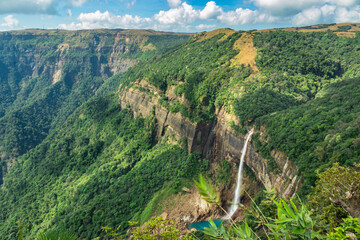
(100, 168)
(33, 102)
(74, 162)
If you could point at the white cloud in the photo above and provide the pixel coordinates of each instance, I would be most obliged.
(307, 17)
(179, 18)
(69, 12)
(184, 13)
(343, 3)
(184, 17)
(10, 22)
(291, 7)
(245, 16)
(346, 15)
(328, 11)
(286, 7)
(308, 12)
(204, 26)
(174, 3)
(27, 6)
(327, 14)
(211, 11)
(107, 20)
(36, 6)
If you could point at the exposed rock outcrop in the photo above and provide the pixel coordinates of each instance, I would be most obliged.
(217, 141)
(214, 140)
(228, 145)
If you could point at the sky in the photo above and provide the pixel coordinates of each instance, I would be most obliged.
(174, 15)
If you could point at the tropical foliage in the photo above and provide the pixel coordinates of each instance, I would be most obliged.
(100, 169)
(46, 75)
(289, 222)
(72, 159)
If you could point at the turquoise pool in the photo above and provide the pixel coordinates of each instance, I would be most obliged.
(201, 225)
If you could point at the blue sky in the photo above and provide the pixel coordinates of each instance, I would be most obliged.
(174, 15)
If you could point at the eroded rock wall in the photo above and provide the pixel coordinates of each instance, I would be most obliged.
(224, 143)
(168, 122)
(215, 141)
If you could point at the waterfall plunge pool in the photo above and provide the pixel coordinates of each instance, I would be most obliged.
(202, 225)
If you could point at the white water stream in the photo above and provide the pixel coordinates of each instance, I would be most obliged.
(236, 199)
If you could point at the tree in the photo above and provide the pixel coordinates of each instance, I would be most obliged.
(158, 228)
(339, 186)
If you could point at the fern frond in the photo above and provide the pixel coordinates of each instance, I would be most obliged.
(207, 191)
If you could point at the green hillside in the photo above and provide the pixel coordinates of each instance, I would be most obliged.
(74, 159)
(100, 168)
(46, 75)
(297, 69)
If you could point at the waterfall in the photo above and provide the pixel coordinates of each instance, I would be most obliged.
(236, 199)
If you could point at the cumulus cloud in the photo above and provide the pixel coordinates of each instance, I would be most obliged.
(107, 20)
(348, 15)
(245, 16)
(27, 6)
(288, 7)
(285, 7)
(308, 12)
(184, 13)
(343, 3)
(314, 15)
(10, 22)
(174, 3)
(184, 17)
(327, 14)
(205, 26)
(36, 6)
(211, 11)
(179, 17)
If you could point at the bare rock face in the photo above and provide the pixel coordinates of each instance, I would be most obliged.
(103, 59)
(168, 122)
(216, 141)
(224, 143)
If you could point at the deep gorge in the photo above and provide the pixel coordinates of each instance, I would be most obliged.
(109, 127)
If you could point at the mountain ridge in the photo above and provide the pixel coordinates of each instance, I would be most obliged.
(127, 152)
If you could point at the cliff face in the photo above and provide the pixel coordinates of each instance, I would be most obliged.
(36, 54)
(46, 75)
(216, 141)
(228, 145)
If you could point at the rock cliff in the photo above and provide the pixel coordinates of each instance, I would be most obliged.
(46, 74)
(216, 141)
